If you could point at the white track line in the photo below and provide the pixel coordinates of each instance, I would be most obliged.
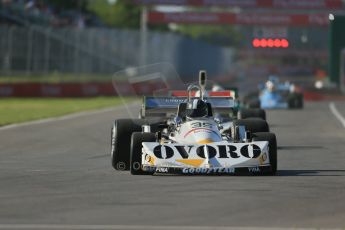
(48, 120)
(61, 118)
(336, 113)
(130, 227)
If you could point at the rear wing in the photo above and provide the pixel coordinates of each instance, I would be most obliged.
(163, 106)
(224, 93)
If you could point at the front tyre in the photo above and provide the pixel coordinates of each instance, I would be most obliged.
(121, 132)
(272, 145)
(254, 104)
(136, 152)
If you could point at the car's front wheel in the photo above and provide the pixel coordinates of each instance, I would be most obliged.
(272, 148)
(121, 132)
(136, 152)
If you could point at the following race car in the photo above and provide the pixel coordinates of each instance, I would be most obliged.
(275, 95)
(238, 111)
(191, 140)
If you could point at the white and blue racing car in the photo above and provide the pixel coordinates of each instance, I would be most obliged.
(192, 138)
(275, 95)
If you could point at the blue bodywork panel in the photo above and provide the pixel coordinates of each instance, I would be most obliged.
(272, 100)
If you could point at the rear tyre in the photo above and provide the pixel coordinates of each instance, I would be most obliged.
(251, 113)
(296, 101)
(272, 145)
(253, 125)
(136, 152)
(121, 132)
(254, 104)
(252, 100)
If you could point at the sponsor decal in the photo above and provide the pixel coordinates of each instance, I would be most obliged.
(205, 141)
(149, 159)
(254, 169)
(192, 162)
(208, 170)
(263, 158)
(249, 151)
(201, 125)
(195, 130)
(162, 170)
(174, 100)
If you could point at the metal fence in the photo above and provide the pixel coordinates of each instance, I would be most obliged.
(35, 49)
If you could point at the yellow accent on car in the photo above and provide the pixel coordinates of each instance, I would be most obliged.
(150, 159)
(262, 158)
(192, 162)
(205, 141)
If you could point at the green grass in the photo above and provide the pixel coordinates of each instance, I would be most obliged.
(14, 110)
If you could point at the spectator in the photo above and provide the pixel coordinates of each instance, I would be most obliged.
(30, 5)
(80, 22)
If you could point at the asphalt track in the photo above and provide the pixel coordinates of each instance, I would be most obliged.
(57, 175)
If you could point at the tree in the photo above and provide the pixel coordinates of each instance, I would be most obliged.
(225, 35)
(68, 4)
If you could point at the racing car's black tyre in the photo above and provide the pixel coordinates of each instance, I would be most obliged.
(136, 151)
(254, 125)
(121, 132)
(295, 101)
(251, 113)
(254, 104)
(272, 144)
(252, 98)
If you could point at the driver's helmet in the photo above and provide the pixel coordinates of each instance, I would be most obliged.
(197, 108)
(270, 85)
(217, 88)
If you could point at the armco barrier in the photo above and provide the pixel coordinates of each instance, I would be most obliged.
(107, 89)
(72, 89)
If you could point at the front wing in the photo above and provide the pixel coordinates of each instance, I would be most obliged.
(220, 158)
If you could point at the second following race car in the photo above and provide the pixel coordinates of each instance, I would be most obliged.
(275, 95)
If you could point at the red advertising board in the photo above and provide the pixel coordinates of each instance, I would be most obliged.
(272, 19)
(290, 4)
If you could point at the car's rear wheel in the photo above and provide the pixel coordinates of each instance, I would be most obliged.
(251, 113)
(121, 132)
(136, 152)
(295, 101)
(252, 100)
(272, 145)
(254, 104)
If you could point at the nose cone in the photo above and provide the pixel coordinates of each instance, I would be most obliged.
(206, 137)
(202, 135)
